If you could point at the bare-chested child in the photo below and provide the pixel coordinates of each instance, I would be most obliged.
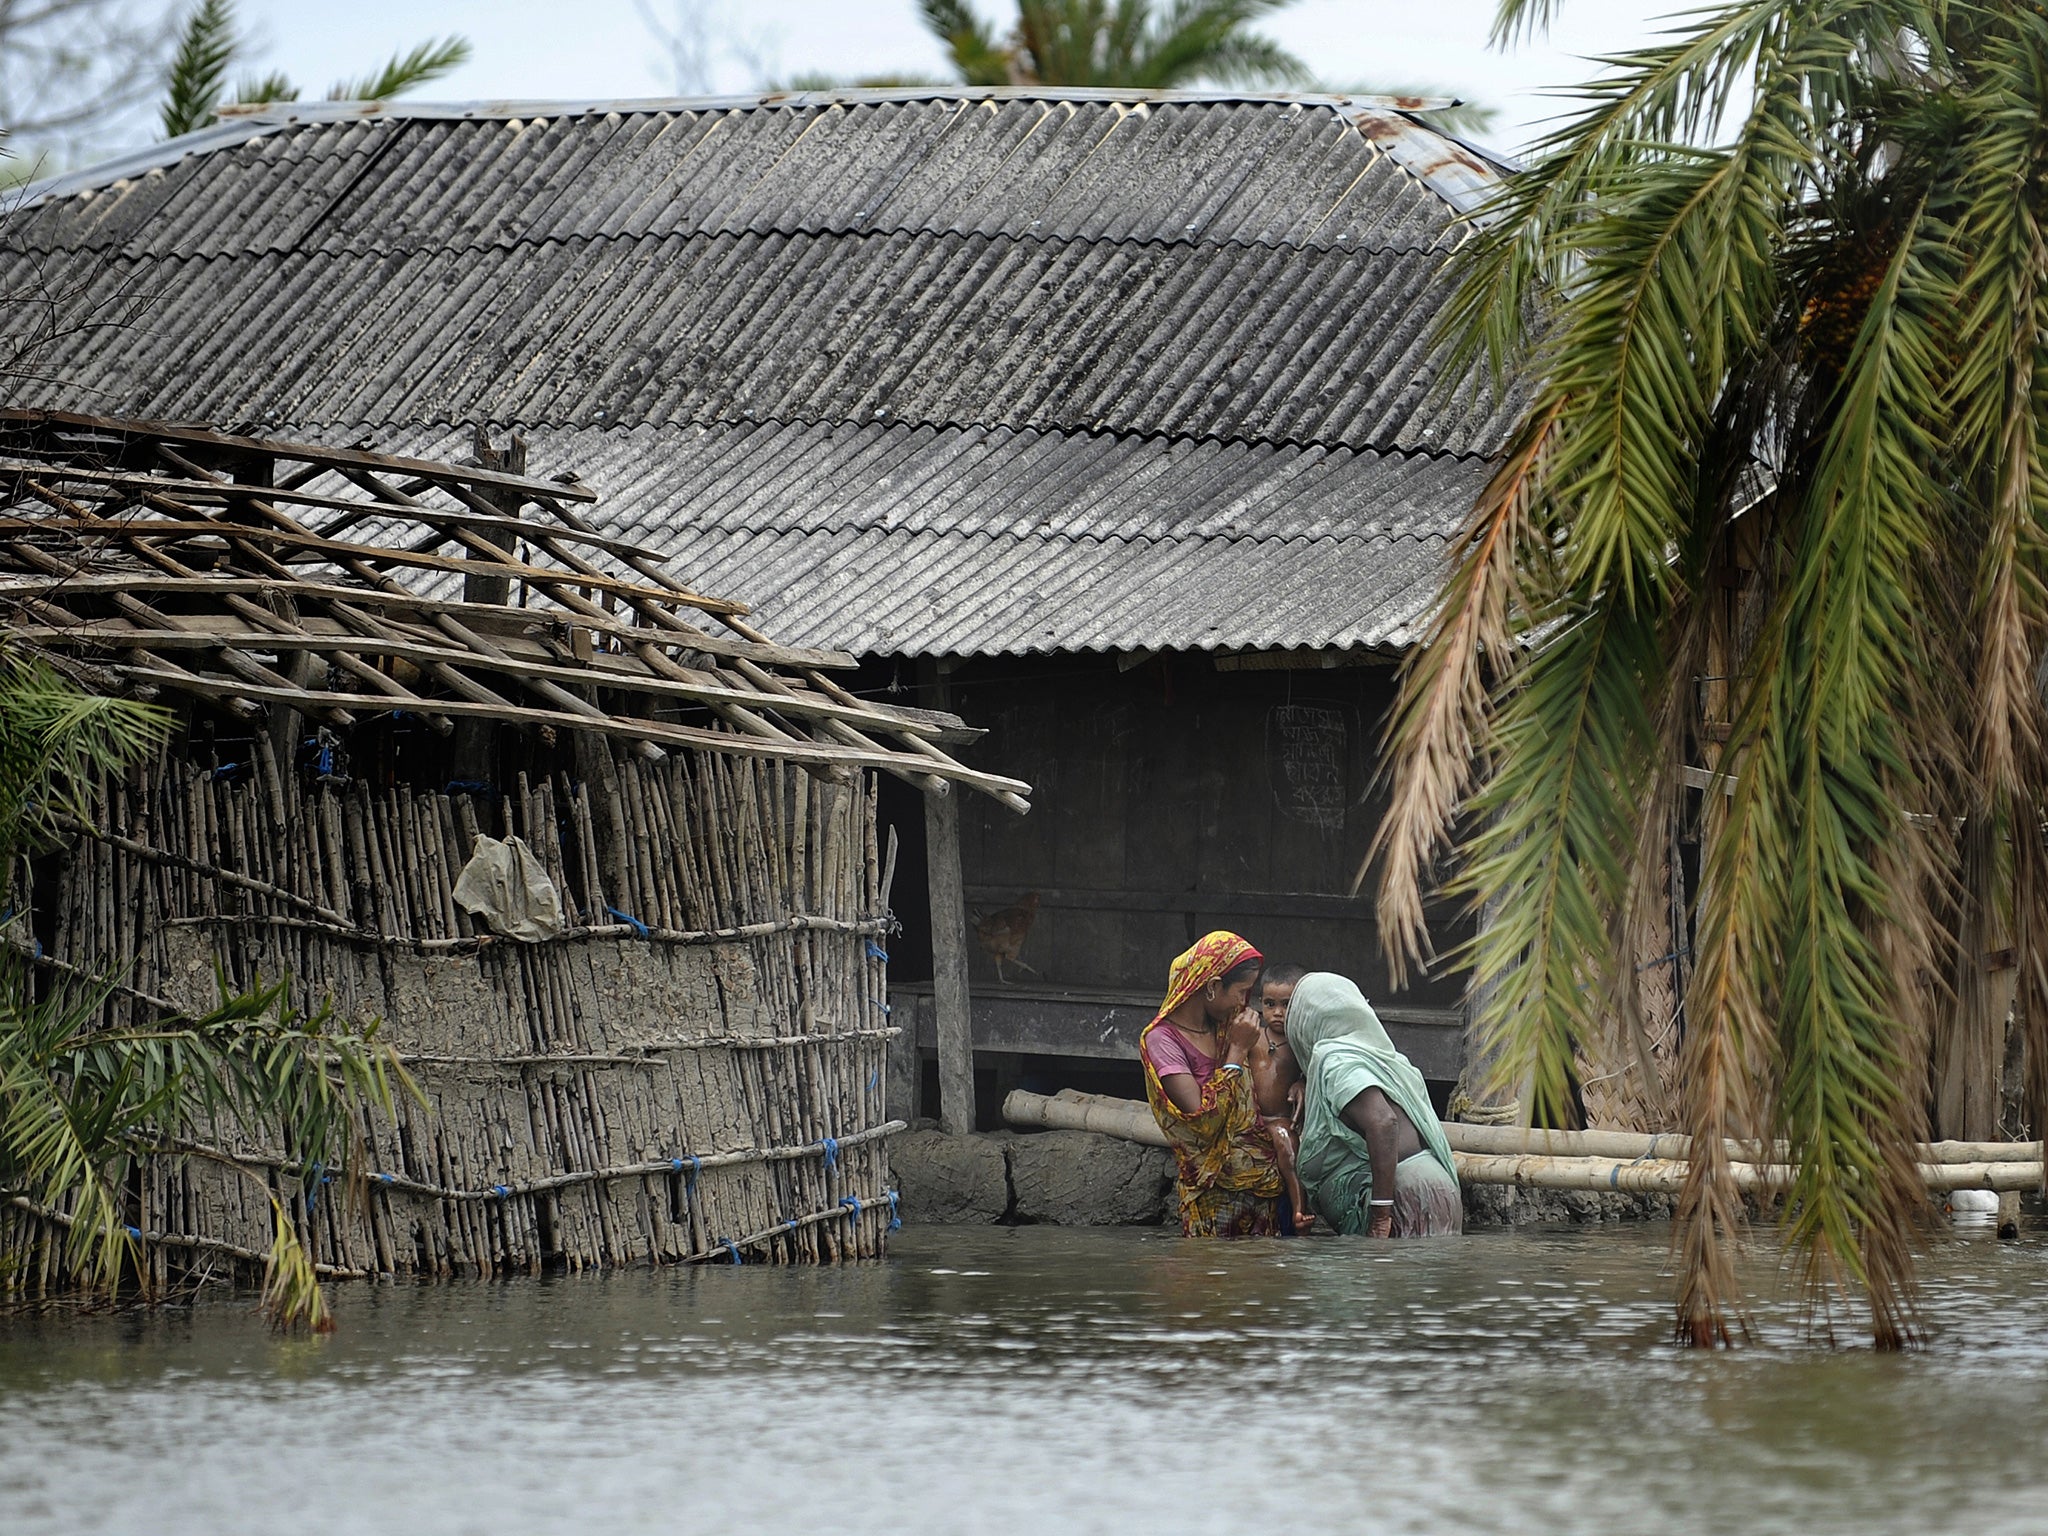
(1277, 1080)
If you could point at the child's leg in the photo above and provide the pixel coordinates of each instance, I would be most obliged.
(1283, 1154)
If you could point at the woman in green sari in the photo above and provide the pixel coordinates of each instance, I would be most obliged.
(1367, 1110)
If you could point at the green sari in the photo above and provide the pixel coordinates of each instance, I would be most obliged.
(1344, 1050)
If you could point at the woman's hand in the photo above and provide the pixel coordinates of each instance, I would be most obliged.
(1240, 1035)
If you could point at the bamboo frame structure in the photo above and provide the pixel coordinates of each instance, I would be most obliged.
(691, 1069)
(180, 560)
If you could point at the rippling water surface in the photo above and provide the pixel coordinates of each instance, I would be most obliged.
(1031, 1380)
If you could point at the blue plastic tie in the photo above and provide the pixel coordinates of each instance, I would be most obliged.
(895, 1221)
(874, 1077)
(831, 1153)
(225, 769)
(501, 1191)
(876, 952)
(791, 1224)
(134, 1232)
(639, 927)
(852, 1203)
(313, 1193)
(694, 1165)
(473, 786)
(732, 1248)
(886, 1009)
(385, 1178)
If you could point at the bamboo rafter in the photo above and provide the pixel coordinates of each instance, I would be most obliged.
(186, 561)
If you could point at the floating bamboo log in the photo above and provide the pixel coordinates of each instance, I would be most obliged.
(1623, 1162)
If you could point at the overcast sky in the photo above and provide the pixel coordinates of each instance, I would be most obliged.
(547, 49)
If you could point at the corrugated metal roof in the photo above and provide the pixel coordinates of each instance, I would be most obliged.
(943, 370)
(971, 594)
(1041, 170)
(927, 542)
(1177, 167)
(1246, 342)
(807, 478)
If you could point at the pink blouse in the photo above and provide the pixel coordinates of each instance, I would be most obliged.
(1169, 1051)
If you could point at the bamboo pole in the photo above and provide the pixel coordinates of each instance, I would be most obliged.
(1507, 1141)
(1131, 1120)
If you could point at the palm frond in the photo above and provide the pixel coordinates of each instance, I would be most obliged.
(1434, 734)
(1774, 307)
(54, 740)
(84, 1106)
(969, 42)
(402, 72)
(198, 71)
(1211, 40)
(255, 90)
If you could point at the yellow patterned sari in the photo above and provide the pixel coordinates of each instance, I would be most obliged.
(1229, 1184)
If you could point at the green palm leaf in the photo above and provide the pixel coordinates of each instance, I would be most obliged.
(1775, 304)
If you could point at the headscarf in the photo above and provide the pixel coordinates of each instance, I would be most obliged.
(1344, 1050)
(1214, 956)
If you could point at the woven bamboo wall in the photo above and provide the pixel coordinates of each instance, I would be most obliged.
(693, 1070)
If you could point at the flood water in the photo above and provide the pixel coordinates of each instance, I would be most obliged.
(1037, 1380)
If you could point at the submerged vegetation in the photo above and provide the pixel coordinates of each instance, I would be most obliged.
(85, 1102)
(1774, 518)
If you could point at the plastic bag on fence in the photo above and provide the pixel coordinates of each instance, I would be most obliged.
(509, 888)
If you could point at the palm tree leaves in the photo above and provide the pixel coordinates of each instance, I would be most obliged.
(54, 739)
(83, 1108)
(85, 1104)
(195, 84)
(1776, 300)
(199, 68)
(417, 66)
(1119, 43)
(970, 41)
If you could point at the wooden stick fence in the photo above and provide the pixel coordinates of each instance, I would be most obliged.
(702, 1079)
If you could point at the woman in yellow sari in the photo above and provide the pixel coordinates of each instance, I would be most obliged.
(1195, 1080)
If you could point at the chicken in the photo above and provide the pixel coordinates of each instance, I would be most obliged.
(1002, 934)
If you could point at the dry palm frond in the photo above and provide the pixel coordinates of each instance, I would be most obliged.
(1445, 692)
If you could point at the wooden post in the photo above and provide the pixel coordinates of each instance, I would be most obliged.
(905, 1100)
(952, 1005)
(474, 738)
(511, 461)
(1471, 1098)
(1969, 1048)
